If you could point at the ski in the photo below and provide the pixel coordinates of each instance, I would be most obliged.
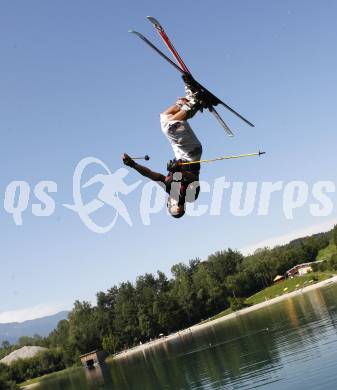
(168, 43)
(221, 121)
(218, 101)
(185, 71)
(149, 43)
(211, 109)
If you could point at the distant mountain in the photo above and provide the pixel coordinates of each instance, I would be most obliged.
(12, 331)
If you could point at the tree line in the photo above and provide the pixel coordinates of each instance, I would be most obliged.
(131, 313)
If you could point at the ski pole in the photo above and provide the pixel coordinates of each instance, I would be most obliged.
(223, 158)
(146, 158)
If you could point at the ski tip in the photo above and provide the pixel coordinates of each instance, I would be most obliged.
(134, 32)
(154, 21)
(249, 123)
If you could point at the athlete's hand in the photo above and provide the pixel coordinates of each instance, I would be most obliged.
(127, 160)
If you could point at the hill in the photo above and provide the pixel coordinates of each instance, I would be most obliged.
(22, 353)
(12, 331)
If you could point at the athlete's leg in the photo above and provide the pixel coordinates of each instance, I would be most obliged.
(181, 115)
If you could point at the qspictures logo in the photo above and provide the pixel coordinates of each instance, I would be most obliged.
(114, 189)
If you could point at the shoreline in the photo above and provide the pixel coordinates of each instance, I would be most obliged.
(198, 327)
(27, 387)
(35, 382)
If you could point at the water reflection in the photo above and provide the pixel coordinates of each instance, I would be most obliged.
(95, 377)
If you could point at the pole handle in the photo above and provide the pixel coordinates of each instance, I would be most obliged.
(146, 158)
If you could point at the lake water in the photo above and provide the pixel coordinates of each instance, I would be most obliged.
(289, 345)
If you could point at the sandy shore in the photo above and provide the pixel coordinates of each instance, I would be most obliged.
(198, 327)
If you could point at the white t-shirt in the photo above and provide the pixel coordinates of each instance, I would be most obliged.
(184, 142)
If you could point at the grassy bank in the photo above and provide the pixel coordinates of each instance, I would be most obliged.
(287, 286)
(281, 288)
(47, 376)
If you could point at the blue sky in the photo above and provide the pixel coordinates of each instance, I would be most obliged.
(74, 83)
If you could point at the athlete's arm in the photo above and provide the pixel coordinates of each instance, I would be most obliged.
(155, 176)
(144, 171)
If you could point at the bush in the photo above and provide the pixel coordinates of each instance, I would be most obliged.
(237, 303)
(333, 262)
(326, 265)
(5, 382)
(44, 363)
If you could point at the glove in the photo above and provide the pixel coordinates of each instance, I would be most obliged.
(174, 165)
(127, 160)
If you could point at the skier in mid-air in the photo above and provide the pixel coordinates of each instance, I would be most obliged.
(182, 181)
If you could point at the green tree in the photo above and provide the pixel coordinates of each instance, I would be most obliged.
(225, 263)
(5, 344)
(110, 343)
(211, 291)
(83, 329)
(334, 235)
(183, 291)
(126, 323)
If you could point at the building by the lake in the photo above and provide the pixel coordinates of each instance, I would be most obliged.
(299, 269)
(93, 358)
